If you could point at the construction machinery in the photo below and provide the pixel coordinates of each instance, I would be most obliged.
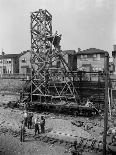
(52, 80)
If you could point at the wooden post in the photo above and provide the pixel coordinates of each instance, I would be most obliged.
(112, 103)
(106, 69)
(31, 61)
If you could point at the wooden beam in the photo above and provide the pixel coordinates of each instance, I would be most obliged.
(106, 67)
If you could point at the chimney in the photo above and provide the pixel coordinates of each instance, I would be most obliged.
(114, 47)
(79, 50)
(114, 51)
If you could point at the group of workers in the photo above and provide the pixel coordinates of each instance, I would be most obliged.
(39, 124)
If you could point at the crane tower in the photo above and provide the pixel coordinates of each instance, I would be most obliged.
(48, 80)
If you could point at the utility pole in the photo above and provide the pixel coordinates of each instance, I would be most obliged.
(3, 61)
(106, 69)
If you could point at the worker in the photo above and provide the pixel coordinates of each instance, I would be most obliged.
(22, 132)
(37, 123)
(42, 124)
(25, 118)
(29, 120)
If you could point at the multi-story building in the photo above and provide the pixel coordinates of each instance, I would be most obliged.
(24, 62)
(114, 58)
(9, 63)
(91, 59)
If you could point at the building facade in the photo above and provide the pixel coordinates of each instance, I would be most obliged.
(91, 59)
(9, 63)
(24, 62)
(114, 58)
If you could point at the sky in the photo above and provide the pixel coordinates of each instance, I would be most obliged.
(83, 23)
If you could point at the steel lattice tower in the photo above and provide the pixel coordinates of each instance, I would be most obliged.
(47, 81)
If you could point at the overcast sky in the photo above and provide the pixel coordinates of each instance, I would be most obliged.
(82, 23)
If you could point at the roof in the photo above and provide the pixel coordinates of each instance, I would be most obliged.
(24, 52)
(92, 51)
(69, 52)
(7, 56)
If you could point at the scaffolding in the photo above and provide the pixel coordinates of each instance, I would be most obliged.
(49, 70)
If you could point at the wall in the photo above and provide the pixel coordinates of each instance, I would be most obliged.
(114, 60)
(15, 65)
(11, 65)
(89, 60)
(6, 66)
(24, 65)
(72, 62)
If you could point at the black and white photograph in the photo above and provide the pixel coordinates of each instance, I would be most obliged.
(57, 77)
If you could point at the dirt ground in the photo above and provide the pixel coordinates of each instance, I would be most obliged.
(12, 146)
(56, 126)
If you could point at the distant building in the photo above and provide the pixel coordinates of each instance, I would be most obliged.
(9, 63)
(24, 62)
(114, 58)
(91, 59)
(70, 58)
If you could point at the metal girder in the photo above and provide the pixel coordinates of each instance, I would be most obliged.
(45, 50)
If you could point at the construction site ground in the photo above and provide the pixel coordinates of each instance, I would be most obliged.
(61, 131)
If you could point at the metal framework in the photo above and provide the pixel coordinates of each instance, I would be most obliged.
(47, 79)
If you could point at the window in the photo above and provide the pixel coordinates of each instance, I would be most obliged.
(24, 60)
(96, 57)
(0, 61)
(58, 64)
(81, 56)
(84, 57)
(28, 70)
(8, 61)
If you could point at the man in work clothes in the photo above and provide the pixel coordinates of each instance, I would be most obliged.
(29, 120)
(22, 132)
(42, 124)
(37, 122)
(25, 118)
